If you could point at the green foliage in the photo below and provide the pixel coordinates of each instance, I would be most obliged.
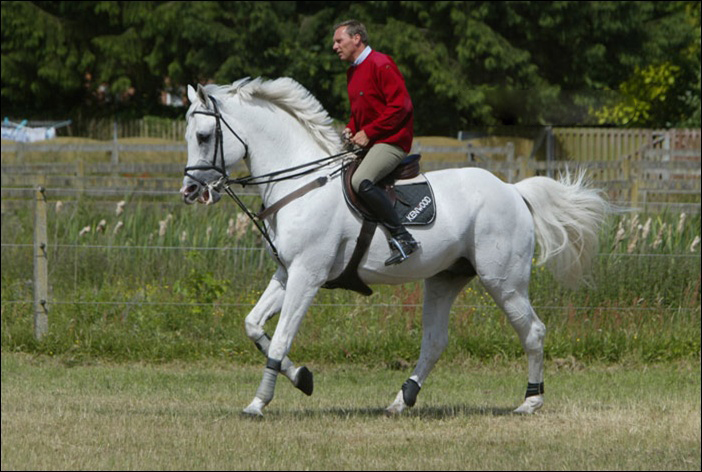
(198, 286)
(642, 95)
(467, 64)
(663, 92)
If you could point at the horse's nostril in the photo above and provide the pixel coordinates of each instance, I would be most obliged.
(190, 193)
(189, 190)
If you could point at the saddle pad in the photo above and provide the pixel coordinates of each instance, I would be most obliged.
(413, 198)
(415, 202)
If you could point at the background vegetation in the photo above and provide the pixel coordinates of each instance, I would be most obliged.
(143, 279)
(467, 64)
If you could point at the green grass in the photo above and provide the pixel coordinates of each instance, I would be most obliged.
(102, 416)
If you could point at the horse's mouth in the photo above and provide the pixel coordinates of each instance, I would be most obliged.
(195, 193)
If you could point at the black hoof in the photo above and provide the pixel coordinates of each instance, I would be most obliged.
(304, 381)
(410, 389)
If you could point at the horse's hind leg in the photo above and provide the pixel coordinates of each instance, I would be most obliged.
(510, 292)
(440, 292)
(268, 305)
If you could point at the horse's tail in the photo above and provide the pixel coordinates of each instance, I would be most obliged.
(567, 218)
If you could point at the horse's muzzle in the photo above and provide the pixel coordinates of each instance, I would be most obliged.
(197, 193)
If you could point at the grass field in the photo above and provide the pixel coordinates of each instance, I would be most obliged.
(186, 417)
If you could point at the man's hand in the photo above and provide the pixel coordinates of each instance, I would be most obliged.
(346, 135)
(360, 139)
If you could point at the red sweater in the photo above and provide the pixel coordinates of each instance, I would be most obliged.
(380, 103)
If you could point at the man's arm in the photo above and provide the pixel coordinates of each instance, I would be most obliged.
(398, 105)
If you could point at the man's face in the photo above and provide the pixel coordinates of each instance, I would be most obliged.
(348, 48)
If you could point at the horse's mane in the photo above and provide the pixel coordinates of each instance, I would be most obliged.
(290, 96)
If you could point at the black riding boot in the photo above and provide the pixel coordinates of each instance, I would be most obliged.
(402, 244)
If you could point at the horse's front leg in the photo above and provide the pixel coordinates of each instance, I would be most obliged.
(270, 304)
(301, 288)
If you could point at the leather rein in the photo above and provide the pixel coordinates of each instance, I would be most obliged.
(224, 182)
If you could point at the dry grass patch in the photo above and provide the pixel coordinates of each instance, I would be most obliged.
(186, 417)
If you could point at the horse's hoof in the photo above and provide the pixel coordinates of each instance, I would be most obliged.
(254, 410)
(396, 407)
(530, 405)
(304, 380)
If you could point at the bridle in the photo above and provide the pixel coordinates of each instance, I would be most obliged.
(219, 145)
(224, 182)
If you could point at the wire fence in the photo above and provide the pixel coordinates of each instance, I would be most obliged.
(261, 251)
(256, 257)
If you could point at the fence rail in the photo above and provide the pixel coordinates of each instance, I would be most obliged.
(112, 149)
(656, 169)
(582, 144)
(648, 185)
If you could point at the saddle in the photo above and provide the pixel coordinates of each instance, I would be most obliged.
(408, 169)
(410, 193)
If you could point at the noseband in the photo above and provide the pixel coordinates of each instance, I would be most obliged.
(219, 146)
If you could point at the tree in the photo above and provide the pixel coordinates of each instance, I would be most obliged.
(665, 90)
(45, 55)
(467, 64)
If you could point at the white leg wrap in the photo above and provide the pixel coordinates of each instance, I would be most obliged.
(286, 367)
(264, 394)
(255, 408)
(267, 388)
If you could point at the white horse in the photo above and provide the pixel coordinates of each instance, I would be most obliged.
(483, 227)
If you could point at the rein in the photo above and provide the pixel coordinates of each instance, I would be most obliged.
(224, 182)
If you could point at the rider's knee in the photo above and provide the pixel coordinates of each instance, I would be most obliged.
(359, 183)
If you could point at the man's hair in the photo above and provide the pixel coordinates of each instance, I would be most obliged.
(354, 27)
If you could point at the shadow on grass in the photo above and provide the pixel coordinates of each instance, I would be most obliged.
(427, 412)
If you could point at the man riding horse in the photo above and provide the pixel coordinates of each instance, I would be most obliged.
(382, 120)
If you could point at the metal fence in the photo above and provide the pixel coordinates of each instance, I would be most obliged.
(255, 255)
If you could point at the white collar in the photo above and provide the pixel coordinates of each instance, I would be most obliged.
(366, 52)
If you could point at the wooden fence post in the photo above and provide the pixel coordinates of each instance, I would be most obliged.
(115, 145)
(41, 266)
(523, 167)
(80, 173)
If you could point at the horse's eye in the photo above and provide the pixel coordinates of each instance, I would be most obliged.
(202, 137)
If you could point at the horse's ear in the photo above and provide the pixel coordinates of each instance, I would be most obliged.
(201, 94)
(192, 95)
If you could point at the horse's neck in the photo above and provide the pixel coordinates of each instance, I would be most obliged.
(282, 143)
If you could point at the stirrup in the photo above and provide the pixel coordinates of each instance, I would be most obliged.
(401, 250)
